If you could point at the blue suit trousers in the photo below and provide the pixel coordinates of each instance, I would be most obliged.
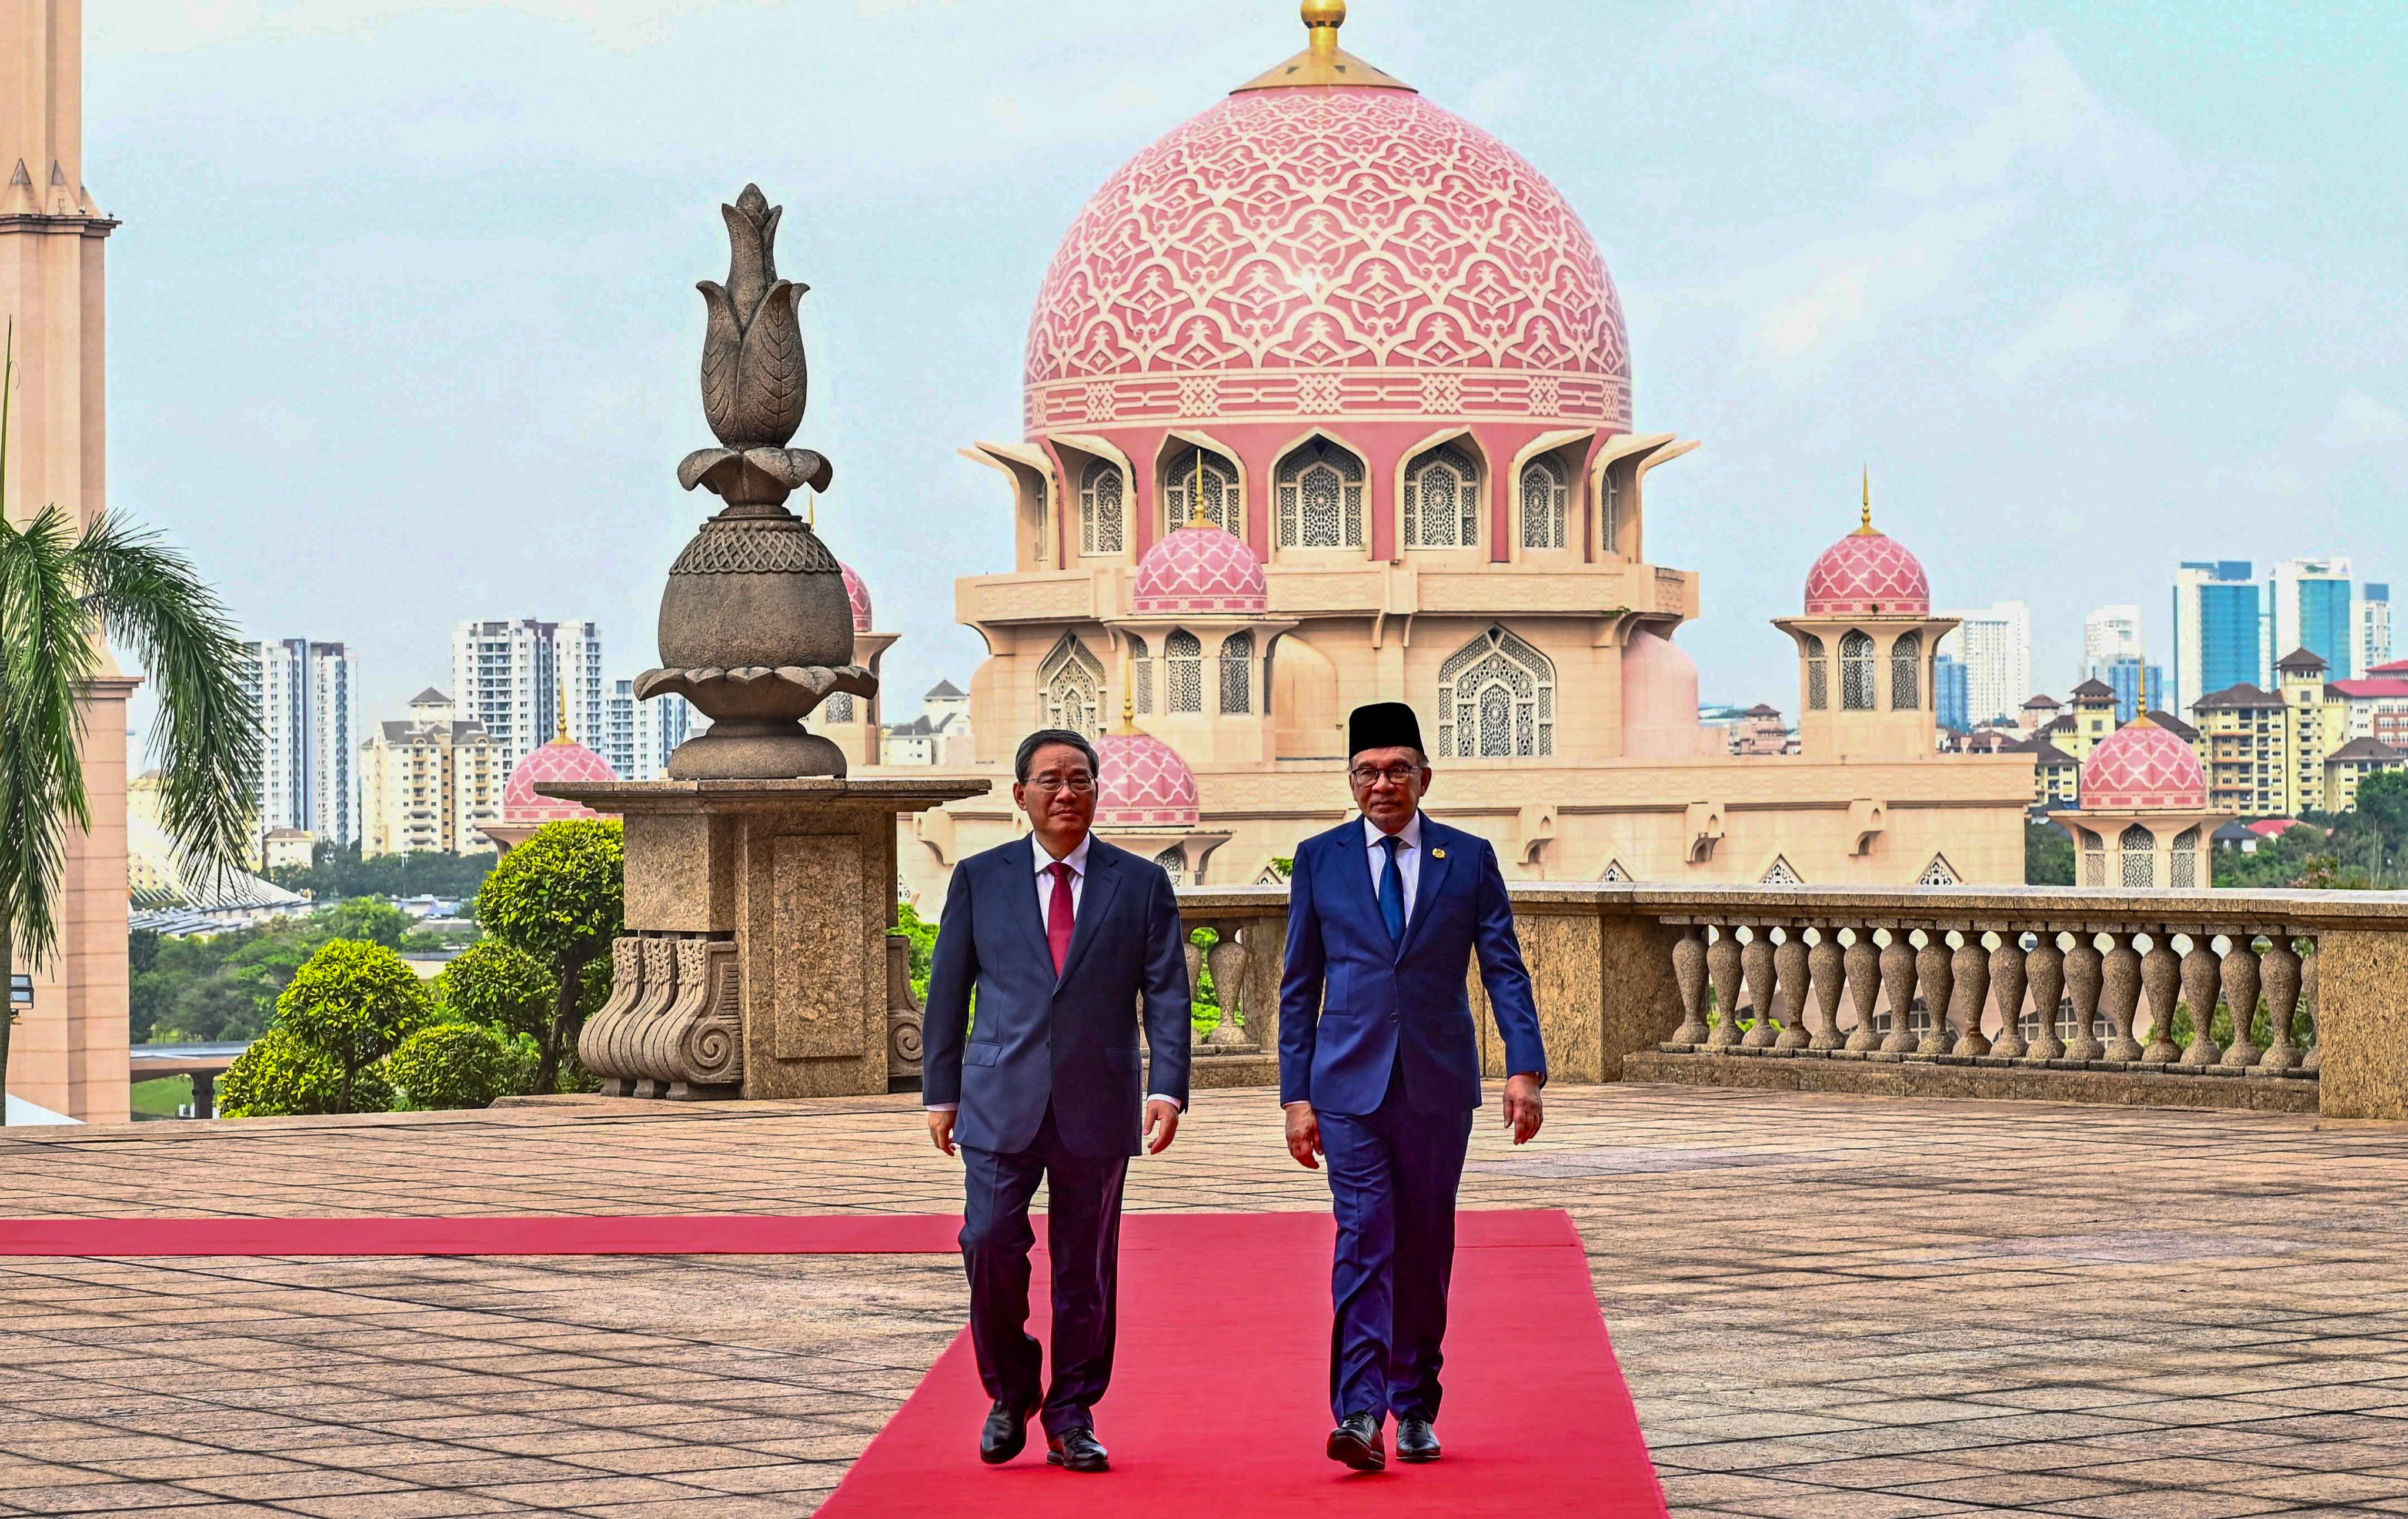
(1393, 1175)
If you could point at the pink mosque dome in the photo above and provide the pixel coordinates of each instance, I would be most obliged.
(1200, 568)
(1867, 572)
(563, 759)
(1305, 246)
(857, 591)
(2142, 766)
(1146, 785)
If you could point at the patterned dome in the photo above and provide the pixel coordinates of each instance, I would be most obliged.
(563, 759)
(1146, 785)
(1200, 570)
(1867, 572)
(2142, 765)
(1326, 250)
(856, 592)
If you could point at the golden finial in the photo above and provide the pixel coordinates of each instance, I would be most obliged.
(1322, 19)
(1196, 517)
(1865, 525)
(1128, 703)
(560, 733)
(1323, 62)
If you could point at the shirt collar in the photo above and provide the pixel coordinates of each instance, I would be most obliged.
(1076, 859)
(1410, 833)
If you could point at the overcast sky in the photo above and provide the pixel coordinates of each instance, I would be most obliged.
(403, 326)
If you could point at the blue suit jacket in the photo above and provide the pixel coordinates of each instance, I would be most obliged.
(1354, 1007)
(1070, 1041)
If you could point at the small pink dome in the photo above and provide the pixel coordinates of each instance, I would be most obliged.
(2142, 766)
(1146, 785)
(563, 759)
(1867, 572)
(1200, 570)
(856, 592)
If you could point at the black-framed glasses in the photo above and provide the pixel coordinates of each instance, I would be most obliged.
(1077, 785)
(1395, 775)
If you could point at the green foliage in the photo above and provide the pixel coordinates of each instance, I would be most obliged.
(2383, 807)
(451, 1066)
(282, 1074)
(352, 1003)
(369, 920)
(2048, 856)
(922, 935)
(337, 871)
(561, 896)
(225, 987)
(497, 983)
(1284, 866)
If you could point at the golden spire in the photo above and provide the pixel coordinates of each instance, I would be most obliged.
(1322, 61)
(1129, 701)
(1196, 517)
(1864, 526)
(560, 733)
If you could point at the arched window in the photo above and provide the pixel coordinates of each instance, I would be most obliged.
(2094, 859)
(1497, 700)
(1319, 493)
(2186, 860)
(1610, 514)
(1219, 481)
(1237, 672)
(1546, 491)
(1856, 671)
(1174, 865)
(1103, 492)
(1906, 673)
(1070, 687)
(1442, 500)
(1182, 672)
(2138, 848)
(1818, 676)
(1141, 674)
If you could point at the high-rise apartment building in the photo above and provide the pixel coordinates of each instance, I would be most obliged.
(2313, 607)
(2135, 686)
(1950, 692)
(2373, 624)
(641, 734)
(429, 782)
(2219, 639)
(301, 692)
(509, 677)
(2109, 634)
(1994, 645)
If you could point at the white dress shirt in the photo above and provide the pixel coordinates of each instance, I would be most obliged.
(1077, 860)
(1409, 858)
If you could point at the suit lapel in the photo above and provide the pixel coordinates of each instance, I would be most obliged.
(1436, 855)
(1022, 908)
(1095, 901)
(1354, 865)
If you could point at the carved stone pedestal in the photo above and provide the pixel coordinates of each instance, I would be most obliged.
(756, 962)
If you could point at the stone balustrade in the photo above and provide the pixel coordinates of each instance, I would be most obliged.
(2000, 992)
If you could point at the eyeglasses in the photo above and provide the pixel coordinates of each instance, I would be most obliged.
(1395, 775)
(1077, 785)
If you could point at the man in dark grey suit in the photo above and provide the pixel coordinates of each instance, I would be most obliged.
(1062, 937)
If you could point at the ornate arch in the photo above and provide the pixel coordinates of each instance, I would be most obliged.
(1546, 503)
(1443, 497)
(2137, 848)
(1182, 672)
(1496, 700)
(1818, 676)
(1070, 687)
(1223, 503)
(1857, 670)
(2184, 866)
(1174, 863)
(1238, 673)
(1320, 491)
(1103, 508)
(1906, 672)
(1141, 674)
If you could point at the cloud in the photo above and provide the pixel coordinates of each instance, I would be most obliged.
(1836, 293)
(2359, 420)
(2083, 319)
(2049, 110)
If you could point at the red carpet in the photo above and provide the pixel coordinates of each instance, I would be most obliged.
(825, 1234)
(1221, 1391)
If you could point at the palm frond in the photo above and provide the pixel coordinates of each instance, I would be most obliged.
(155, 604)
(46, 655)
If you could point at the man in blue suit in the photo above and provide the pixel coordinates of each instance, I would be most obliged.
(1062, 937)
(1380, 1069)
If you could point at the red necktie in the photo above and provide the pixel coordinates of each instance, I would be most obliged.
(1058, 917)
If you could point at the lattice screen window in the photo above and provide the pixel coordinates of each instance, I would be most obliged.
(1182, 672)
(1103, 492)
(1220, 492)
(1906, 673)
(1496, 700)
(1610, 514)
(1174, 865)
(1141, 674)
(1070, 686)
(839, 708)
(2139, 849)
(1781, 875)
(1319, 493)
(1546, 491)
(2186, 860)
(1237, 673)
(1937, 873)
(1818, 676)
(1856, 672)
(1442, 500)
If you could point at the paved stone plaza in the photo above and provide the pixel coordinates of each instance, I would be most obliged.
(1824, 1305)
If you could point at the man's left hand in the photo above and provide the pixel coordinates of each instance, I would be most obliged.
(1161, 1124)
(1523, 1111)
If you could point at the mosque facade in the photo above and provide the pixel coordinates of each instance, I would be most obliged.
(1329, 401)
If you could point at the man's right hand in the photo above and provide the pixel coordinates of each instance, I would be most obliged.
(940, 1128)
(1304, 1135)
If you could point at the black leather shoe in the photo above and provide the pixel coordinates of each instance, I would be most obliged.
(1355, 1442)
(1005, 1435)
(1077, 1450)
(1416, 1442)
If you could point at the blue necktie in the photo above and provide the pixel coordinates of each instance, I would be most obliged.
(1392, 891)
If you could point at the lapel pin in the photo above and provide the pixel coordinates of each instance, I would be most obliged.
(1438, 854)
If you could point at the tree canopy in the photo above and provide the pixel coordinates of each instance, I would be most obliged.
(561, 896)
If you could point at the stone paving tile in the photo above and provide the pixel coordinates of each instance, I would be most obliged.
(1824, 1305)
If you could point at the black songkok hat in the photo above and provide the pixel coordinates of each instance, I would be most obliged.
(1384, 724)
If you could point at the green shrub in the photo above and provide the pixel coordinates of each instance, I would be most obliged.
(451, 1066)
(561, 897)
(497, 983)
(352, 1002)
(282, 1074)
